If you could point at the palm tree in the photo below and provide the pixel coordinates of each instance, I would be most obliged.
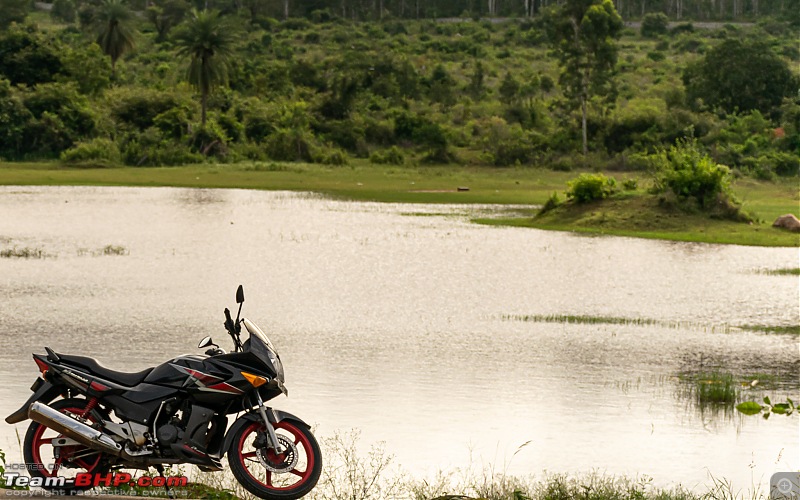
(116, 35)
(208, 39)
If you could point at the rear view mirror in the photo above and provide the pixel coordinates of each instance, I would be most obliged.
(239, 295)
(205, 342)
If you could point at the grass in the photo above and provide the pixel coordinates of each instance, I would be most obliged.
(642, 216)
(716, 388)
(787, 330)
(23, 253)
(625, 215)
(789, 271)
(616, 320)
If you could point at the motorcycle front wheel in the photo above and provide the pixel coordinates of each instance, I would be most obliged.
(285, 476)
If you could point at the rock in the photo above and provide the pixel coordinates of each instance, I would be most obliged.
(788, 221)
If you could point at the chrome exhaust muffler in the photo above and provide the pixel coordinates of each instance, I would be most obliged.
(74, 429)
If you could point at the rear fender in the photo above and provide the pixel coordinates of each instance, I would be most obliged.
(43, 392)
(274, 416)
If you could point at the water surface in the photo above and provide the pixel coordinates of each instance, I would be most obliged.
(393, 324)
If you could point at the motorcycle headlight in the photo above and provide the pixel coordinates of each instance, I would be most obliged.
(276, 363)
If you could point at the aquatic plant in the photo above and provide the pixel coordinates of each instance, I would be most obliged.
(23, 253)
(754, 408)
(716, 387)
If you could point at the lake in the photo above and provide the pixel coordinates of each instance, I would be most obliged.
(419, 328)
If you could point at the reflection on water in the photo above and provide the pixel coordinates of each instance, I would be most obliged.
(393, 324)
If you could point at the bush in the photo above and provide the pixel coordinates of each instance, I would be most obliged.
(391, 156)
(689, 173)
(654, 25)
(591, 187)
(150, 148)
(93, 153)
(551, 204)
(290, 145)
(330, 156)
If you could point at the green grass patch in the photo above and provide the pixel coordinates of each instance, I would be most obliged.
(786, 330)
(616, 320)
(568, 318)
(789, 271)
(643, 216)
(716, 387)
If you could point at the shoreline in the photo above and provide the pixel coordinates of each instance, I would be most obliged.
(448, 185)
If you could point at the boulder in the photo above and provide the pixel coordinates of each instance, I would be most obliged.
(787, 221)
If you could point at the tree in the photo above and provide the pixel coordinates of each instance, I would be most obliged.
(583, 34)
(740, 75)
(28, 56)
(116, 35)
(165, 14)
(208, 40)
(13, 11)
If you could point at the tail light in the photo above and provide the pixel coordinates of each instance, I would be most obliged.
(43, 367)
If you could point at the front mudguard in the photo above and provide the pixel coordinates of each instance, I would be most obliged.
(44, 393)
(274, 416)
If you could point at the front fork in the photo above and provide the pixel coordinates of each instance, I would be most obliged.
(273, 438)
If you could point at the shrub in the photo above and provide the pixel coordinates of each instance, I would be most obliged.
(630, 184)
(391, 156)
(551, 204)
(93, 153)
(290, 145)
(151, 148)
(591, 187)
(689, 173)
(654, 24)
(330, 156)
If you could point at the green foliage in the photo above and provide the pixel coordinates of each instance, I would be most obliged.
(115, 36)
(654, 24)
(28, 56)
(591, 187)
(552, 203)
(13, 11)
(207, 39)
(768, 408)
(138, 107)
(391, 156)
(691, 174)
(93, 153)
(61, 117)
(740, 75)
(151, 148)
(14, 119)
(64, 10)
(583, 34)
(715, 387)
(165, 15)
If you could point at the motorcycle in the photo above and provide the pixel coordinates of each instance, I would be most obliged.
(173, 413)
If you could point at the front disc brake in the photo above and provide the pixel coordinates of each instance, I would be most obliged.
(288, 459)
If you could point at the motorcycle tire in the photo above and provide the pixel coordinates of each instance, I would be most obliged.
(38, 449)
(286, 476)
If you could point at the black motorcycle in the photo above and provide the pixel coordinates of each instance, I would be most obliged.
(174, 413)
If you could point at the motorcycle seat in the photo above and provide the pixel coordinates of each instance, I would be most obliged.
(94, 367)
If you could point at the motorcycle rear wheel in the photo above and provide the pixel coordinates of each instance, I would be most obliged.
(47, 461)
(293, 474)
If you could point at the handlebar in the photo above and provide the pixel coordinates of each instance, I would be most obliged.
(232, 330)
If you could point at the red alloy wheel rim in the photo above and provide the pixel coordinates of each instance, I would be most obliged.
(39, 441)
(300, 440)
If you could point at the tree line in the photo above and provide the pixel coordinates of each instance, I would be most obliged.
(178, 84)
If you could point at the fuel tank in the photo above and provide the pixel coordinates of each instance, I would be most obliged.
(207, 379)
